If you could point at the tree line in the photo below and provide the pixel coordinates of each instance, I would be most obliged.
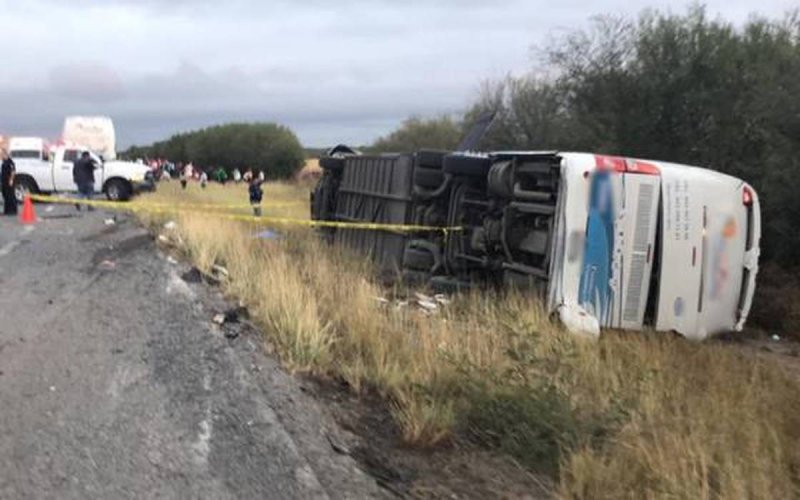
(268, 147)
(683, 88)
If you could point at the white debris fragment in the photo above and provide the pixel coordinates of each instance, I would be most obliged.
(382, 301)
(422, 297)
(176, 285)
(577, 320)
(109, 222)
(442, 299)
(428, 305)
(219, 319)
(169, 226)
(49, 209)
(776, 338)
(163, 238)
(171, 260)
(220, 270)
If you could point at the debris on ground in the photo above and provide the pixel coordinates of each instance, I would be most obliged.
(170, 225)
(269, 235)
(163, 238)
(427, 304)
(171, 260)
(219, 271)
(193, 275)
(49, 209)
(233, 315)
(776, 338)
(108, 264)
(383, 301)
(110, 222)
(423, 303)
(336, 446)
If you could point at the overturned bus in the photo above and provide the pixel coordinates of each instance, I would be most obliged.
(608, 242)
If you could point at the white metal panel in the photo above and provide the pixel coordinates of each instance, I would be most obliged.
(681, 252)
(637, 231)
(570, 229)
(93, 132)
(702, 251)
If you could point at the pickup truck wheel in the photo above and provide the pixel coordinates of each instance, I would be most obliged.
(117, 190)
(469, 166)
(22, 186)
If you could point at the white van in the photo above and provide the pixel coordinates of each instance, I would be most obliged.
(653, 244)
(28, 148)
(94, 132)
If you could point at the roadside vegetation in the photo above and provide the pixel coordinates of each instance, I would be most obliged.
(633, 415)
(268, 147)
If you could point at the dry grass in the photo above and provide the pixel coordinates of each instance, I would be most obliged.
(631, 416)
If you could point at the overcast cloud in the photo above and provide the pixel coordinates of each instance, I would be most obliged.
(335, 71)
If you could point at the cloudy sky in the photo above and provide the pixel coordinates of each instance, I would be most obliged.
(333, 70)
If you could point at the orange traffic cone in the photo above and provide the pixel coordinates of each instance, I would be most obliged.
(28, 215)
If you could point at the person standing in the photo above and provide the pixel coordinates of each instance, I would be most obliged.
(220, 175)
(7, 174)
(256, 194)
(185, 175)
(83, 175)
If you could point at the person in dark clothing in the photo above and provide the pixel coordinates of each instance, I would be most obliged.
(7, 178)
(256, 193)
(83, 175)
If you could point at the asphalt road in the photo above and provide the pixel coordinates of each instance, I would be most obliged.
(114, 382)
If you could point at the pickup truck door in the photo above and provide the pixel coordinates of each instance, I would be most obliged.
(62, 170)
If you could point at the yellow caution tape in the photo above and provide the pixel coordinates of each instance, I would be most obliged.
(266, 221)
(155, 205)
(218, 206)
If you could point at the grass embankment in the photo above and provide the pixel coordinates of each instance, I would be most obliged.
(630, 416)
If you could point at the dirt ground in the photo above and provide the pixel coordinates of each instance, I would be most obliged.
(456, 470)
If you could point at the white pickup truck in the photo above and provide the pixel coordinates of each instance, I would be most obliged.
(119, 180)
